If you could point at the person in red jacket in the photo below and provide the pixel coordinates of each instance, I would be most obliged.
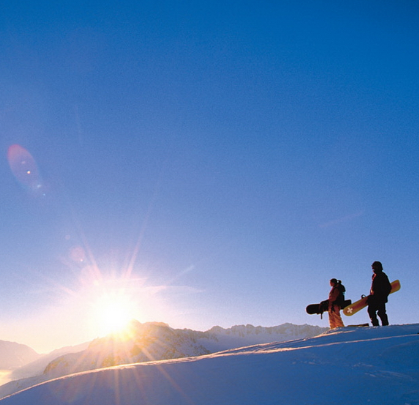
(380, 289)
(335, 302)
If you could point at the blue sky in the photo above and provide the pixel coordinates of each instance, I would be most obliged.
(207, 164)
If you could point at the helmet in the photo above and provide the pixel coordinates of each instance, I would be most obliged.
(377, 266)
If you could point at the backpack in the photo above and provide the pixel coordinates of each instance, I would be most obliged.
(341, 297)
(340, 300)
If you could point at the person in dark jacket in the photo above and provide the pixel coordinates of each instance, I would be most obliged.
(380, 289)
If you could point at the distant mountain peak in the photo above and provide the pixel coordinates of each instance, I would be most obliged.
(14, 355)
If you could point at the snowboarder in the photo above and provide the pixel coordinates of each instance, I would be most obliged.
(380, 289)
(336, 299)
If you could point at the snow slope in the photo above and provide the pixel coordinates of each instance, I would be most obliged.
(150, 341)
(345, 366)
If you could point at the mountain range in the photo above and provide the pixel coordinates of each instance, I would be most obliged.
(14, 355)
(145, 342)
(349, 365)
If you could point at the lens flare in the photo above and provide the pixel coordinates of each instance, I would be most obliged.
(24, 167)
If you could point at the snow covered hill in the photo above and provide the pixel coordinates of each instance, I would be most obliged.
(348, 366)
(153, 341)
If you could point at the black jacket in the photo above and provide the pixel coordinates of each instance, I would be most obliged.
(380, 287)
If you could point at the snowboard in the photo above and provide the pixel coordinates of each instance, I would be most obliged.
(363, 302)
(317, 308)
(322, 307)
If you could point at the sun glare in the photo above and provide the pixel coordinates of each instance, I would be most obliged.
(113, 313)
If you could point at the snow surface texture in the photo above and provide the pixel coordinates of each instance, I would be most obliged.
(344, 366)
(145, 342)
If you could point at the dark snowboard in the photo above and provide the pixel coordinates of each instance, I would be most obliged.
(317, 308)
(323, 307)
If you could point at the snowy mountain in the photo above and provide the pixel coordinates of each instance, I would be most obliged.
(245, 335)
(150, 342)
(157, 341)
(38, 366)
(348, 366)
(14, 355)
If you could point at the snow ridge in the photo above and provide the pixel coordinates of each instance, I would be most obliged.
(373, 366)
(156, 341)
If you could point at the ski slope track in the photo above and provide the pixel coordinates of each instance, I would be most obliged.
(344, 366)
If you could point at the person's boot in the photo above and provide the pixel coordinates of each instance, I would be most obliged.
(384, 319)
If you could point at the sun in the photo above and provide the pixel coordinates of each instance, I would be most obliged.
(113, 312)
